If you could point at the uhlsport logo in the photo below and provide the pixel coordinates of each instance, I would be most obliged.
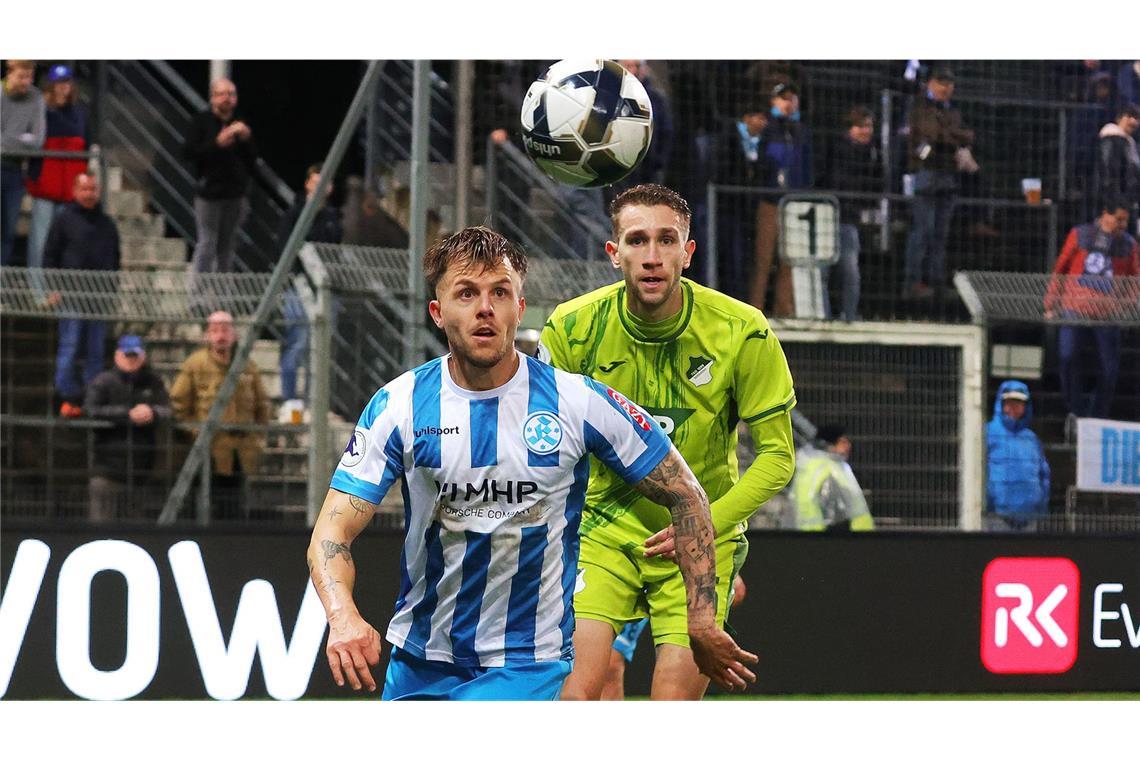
(542, 432)
(1029, 614)
(354, 451)
(629, 408)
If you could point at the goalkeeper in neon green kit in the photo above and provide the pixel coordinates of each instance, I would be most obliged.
(697, 361)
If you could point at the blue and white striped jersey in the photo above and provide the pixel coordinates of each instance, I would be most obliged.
(493, 484)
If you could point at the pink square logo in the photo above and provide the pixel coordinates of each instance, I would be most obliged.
(1029, 614)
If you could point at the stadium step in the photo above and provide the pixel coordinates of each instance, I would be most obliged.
(154, 249)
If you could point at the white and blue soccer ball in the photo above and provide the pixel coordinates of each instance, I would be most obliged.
(587, 123)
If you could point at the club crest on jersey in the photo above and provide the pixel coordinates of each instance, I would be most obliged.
(355, 449)
(542, 432)
(700, 370)
(629, 408)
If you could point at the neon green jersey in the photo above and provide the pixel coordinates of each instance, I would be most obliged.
(700, 372)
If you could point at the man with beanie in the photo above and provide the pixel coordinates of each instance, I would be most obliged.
(133, 399)
(1017, 475)
(826, 494)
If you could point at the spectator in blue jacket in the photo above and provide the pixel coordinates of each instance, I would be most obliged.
(1017, 478)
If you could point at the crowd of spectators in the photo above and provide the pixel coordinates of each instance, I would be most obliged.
(765, 150)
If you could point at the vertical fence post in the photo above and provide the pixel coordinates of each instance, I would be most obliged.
(465, 73)
(417, 220)
(711, 255)
(490, 194)
(321, 362)
(203, 506)
(1062, 155)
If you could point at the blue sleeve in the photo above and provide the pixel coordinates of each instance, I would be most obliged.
(374, 456)
(622, 434)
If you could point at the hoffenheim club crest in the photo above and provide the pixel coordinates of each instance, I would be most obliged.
(542, 432)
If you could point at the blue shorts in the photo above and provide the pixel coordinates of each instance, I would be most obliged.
(626, 641)
(409, 677)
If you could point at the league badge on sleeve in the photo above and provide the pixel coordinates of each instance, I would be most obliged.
(542, 432)
(355, 449)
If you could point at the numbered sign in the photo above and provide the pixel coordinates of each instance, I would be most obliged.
(809, 229)
(809, 240)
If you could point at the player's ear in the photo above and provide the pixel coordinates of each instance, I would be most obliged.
(522, 309)
(690, 248)
(612, 252)
(436, 314)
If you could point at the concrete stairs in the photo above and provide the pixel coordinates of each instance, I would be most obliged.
(43, 464)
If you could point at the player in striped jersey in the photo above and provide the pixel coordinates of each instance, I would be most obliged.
(698, 361)
(490, 449)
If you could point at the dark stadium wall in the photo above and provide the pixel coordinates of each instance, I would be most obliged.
(195, 614)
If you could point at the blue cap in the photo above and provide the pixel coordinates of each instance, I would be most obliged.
(131, 344)
(58, 73)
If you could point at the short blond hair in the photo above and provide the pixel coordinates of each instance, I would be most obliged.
(21, 64)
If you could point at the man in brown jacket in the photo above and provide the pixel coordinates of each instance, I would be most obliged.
(234, 453)
(936, 135)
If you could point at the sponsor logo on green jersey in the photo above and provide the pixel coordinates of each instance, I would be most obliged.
(669, 419)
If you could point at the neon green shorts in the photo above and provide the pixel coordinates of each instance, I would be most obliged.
(617, 587)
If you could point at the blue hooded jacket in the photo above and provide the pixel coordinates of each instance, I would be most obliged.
(1017, 481)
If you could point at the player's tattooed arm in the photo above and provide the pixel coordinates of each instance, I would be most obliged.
(353, 645)
(691, 540)
(673, 485)
(342, 518)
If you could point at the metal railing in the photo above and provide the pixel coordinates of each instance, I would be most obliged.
(165, 296)
(55, 483)
(994, 297)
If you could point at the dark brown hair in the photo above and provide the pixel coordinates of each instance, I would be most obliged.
(471, 247)
(648, 195)
(857, 115)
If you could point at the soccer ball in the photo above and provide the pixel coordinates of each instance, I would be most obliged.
(587, 123)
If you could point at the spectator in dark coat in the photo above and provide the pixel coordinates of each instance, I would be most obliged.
(935, 137)
(739, 160)
(81, 237)
(134, 400)
(1118, 162)
(787, 144)
(855, 167)
(223, 152)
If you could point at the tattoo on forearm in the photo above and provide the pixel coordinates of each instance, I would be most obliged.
(665, 484)
(334, 512)
(673, 485)
(332, 549)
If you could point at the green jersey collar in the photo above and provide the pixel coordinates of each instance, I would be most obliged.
(664, 331)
